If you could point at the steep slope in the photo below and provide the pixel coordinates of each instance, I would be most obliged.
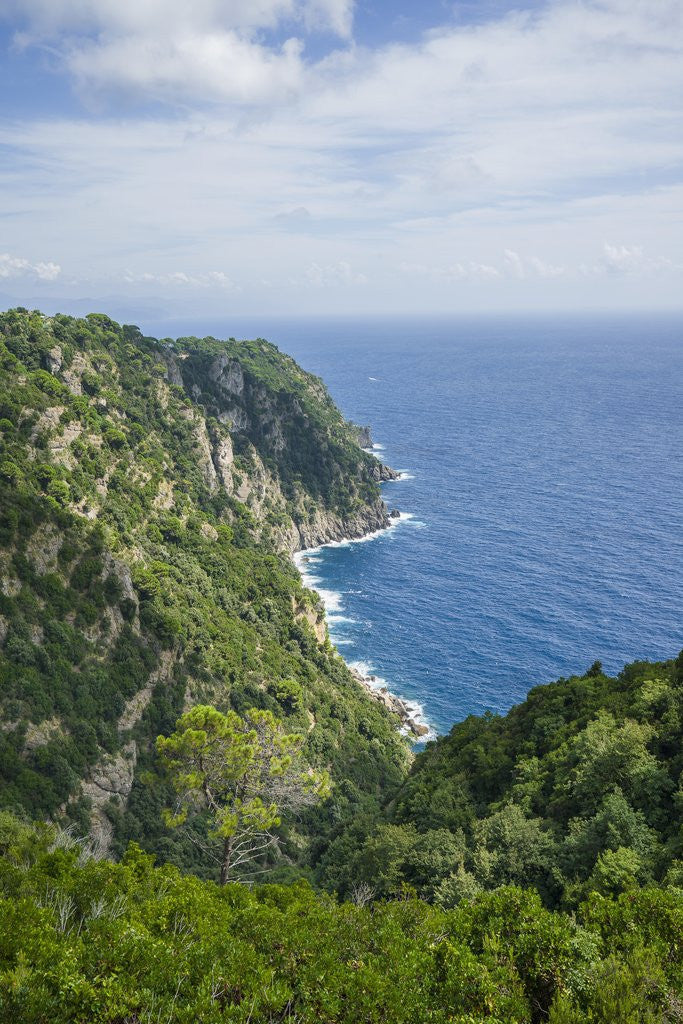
(149, 494)
(577, 789)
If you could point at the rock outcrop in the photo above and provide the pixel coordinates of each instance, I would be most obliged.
(396, 705)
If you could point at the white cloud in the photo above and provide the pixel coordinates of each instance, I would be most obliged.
(51, 17)
(331, 15)
(547, 270)
(217, 66)
(296, 219)
(14, 266)
(613, 259)
(511, 266)
(178, 278)
(453, 272)
(630, 260)
(333, 275)
(542, 133)
(513, 263)
(177, 51)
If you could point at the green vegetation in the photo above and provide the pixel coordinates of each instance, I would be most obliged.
(244, 772)
(168, 690)
(88, 941)
(579, 789)
(144, 570)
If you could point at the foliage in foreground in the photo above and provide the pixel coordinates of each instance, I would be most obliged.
(92, 941)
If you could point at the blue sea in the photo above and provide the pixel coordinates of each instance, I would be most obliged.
(542, 498)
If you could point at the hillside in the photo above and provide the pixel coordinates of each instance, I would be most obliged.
(526, 867)
(578, 789)
(150, 494)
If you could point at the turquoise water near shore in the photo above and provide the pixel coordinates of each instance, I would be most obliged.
(542, 492)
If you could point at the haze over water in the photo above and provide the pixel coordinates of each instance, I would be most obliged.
(544, 498)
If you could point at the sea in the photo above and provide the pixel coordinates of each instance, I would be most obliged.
(541, 498)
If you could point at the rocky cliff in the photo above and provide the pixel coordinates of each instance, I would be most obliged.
(299, 462)
(150, 495)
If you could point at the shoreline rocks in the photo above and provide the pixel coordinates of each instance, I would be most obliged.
(396, 705)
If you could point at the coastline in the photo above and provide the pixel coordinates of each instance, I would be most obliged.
(410, 714)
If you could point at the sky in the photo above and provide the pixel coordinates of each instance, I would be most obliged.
(167, 159)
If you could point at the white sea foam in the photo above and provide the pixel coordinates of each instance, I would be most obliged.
(302, 559)
(415, 709)
(332, 600)
(403, 474)
(364, 668)
(374, 449)
(334, 608)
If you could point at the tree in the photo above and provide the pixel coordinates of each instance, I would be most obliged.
(244, 772)
(513, 848)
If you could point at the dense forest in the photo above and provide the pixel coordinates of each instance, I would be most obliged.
(169, 699)
(579, 789)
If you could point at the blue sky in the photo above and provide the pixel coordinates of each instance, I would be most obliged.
(313, 156)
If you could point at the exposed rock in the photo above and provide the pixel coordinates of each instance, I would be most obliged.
(203, 447)
(164, 498)
(314, 618)
(236, 419)
(223, 459)
(229, 375)
(324, 526)
(172, 369)
(163, 394)
(53, 359)
(48, 420)
(364, 436)
(59, 445)
(72, 375)
(41, 734)
(208, 531)
(136, 706)
(382, 473)
(9, 585)
(121, 571)
(396, 705)
(43, 548)
(111, 777)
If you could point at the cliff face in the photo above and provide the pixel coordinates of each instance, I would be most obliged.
(299, 461)
(150, 494)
